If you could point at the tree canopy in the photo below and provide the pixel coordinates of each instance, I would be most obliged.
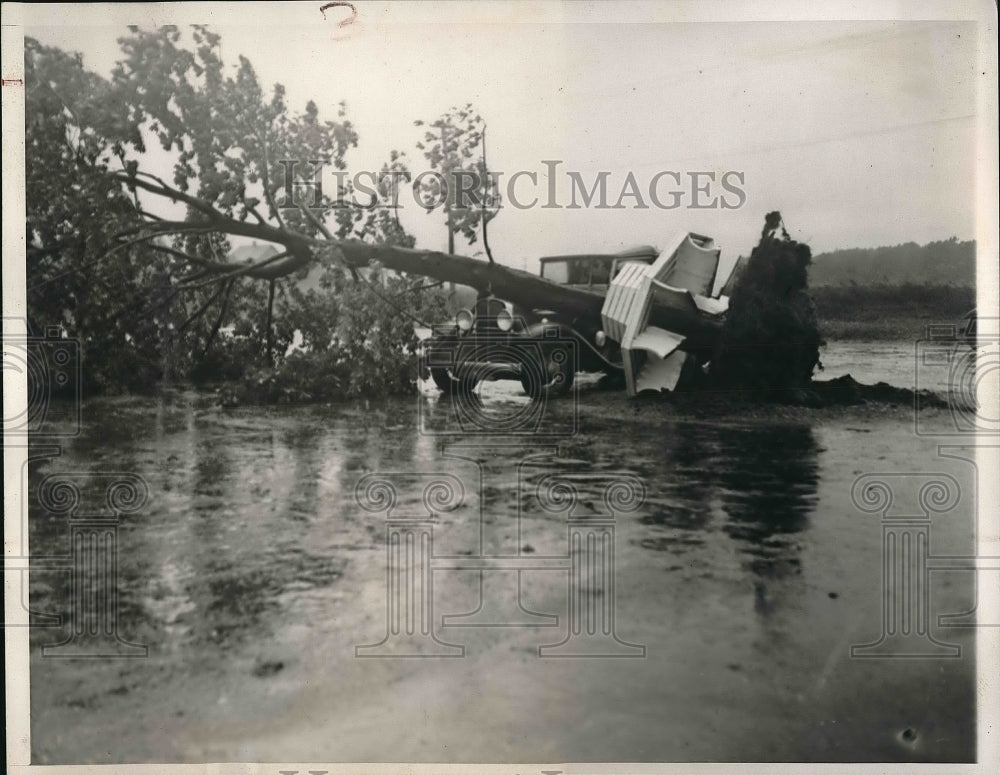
(454, 145)
(138, 184)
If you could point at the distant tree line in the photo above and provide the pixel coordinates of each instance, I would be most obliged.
(947, 262)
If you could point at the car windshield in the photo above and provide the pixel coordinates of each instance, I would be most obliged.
(556, 271)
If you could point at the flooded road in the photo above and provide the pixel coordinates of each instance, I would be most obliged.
(719, 606)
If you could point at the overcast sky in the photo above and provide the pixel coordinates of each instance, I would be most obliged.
(861, 133)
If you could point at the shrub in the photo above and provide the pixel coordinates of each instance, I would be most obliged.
(358, 341)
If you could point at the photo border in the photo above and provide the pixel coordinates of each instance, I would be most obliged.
(987, 227)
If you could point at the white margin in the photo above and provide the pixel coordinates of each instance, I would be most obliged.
(628, 11)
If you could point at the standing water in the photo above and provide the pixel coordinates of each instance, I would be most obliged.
(740, 583)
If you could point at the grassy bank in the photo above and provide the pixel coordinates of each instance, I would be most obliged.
(880, 312)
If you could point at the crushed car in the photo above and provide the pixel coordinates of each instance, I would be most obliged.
(640, 314)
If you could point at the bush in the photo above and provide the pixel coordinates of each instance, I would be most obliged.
(302, 377)
(357, 341)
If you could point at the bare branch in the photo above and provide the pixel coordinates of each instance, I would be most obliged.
(162, 227)
(268, 326)
(419, 287)
(320, 226)
(216, 220)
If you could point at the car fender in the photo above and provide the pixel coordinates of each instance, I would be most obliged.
(589, 358)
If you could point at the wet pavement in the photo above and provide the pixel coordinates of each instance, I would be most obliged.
(718, 609)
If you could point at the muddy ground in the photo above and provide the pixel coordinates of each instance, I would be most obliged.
(741, 583)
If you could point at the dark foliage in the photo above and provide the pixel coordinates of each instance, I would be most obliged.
(357, 341)
(153, 300)
(946, 262)
(874, 301)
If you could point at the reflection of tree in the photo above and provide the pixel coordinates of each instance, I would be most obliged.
(682, 500)
(246, 500)
(51, 584)
(763, 480)
(768, 485)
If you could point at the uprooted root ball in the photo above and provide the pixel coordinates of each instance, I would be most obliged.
(770, 340)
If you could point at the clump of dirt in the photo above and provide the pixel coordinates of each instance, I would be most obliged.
(846, 391)
(770, 341)
(702, 398)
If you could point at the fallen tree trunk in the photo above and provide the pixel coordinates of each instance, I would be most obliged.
(521, 288)
(514, 285)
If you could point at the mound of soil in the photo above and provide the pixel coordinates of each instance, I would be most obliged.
(842, 391)
(846, 391)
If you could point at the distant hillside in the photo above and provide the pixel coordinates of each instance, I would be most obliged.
(949, 262)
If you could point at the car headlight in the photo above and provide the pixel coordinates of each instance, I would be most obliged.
(505, 321)
(464, 320)
(600, 338)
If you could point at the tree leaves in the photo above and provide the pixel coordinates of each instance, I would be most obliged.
(465, 190)
(103, 232)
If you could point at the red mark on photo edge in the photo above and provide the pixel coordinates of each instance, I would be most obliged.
(341, 4)
(12, 82)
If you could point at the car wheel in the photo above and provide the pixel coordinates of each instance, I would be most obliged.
(444, 381)
(449, 384)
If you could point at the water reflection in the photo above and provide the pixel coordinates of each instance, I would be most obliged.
(767, 490)
(252, 510)
(758, 485)
(685, 477)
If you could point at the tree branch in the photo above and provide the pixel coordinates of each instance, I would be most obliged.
(266, 178)
(217, 220)
(202, 309)
(162, 227)
(486, 193)
(162, 189)
(192, 258)
(218, 321)
(253, 211)
(269, 332)
(315, 221)
(248, 270)
(117, 248)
